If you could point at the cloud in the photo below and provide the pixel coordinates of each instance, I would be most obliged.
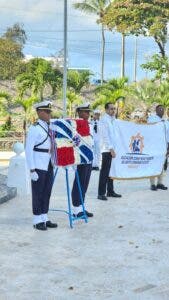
(43, 13)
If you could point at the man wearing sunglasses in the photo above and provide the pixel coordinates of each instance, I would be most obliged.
(38, 155)
(106, 187)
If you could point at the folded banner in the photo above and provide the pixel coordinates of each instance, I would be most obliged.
(140, 150)
(73, 142)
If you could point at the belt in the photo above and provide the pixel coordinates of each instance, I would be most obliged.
(41, 150)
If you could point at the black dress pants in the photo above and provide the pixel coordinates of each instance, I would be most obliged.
(84, 172)
(41, 191)
(105, 182)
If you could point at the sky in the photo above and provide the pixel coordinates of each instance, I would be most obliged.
(43, 23)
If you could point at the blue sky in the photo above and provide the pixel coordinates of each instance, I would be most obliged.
(43, 20)
(43, 23)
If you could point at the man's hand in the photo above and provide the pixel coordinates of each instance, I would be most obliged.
(113, 154)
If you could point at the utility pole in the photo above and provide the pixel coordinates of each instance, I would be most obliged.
(123, 55)
(65, 59)
(135, 60)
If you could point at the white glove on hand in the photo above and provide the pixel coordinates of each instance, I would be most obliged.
(34, 176)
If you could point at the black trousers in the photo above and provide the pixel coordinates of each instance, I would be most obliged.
(105, 182)
(41, 191)
(84, 172)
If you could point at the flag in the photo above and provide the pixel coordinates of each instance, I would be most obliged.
(73, 141)
(140, 150)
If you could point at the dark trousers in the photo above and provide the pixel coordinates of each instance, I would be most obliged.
(105, 182)
(41, 191)
(84, 172)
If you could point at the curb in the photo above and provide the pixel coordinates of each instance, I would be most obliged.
(6, 193)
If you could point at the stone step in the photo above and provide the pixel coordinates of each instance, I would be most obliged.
(6, 193)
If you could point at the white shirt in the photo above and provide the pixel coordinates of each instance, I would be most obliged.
(106, 130)
(96, 135)
(36, 135)
(155, 119)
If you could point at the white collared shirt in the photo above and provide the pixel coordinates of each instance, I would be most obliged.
(36, 135)
(155, 119)
(106, 130)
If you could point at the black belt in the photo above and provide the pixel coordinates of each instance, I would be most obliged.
(41, 150)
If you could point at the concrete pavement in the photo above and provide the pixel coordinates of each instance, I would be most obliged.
(121, 254)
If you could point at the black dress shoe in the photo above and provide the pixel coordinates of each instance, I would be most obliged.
(40, 226)
(51, 225)
(115, 195)
(89, 214)
(162, 186)
(79, 215)
(102, 197)
(153, 187)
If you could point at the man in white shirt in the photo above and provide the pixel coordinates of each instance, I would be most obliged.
(96, 140)
(158, 117)
(38, 155)
(107, 150)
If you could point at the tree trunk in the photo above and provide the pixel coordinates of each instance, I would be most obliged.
(135, 61)
(102, 55)
(123, 56)
(161, 47)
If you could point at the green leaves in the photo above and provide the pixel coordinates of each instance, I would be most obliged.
(38, 73)
(111, 91)
(158, 64)
(16, 33)
(5, 99)
(10, 59)
(77, 80)
(145, 17)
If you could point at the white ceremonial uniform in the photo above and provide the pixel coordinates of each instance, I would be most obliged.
(41, 163)
(36, 135)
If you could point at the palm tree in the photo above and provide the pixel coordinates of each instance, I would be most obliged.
(37, 75)
(77, 80)
(97, 7)
(112, 91)
(4, 103)
(26, 104)
(73, 100)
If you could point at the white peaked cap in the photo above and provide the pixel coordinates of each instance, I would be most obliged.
(46, 104)
(84, 106)
(96, 111)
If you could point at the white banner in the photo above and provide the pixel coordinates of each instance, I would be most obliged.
(140, 150)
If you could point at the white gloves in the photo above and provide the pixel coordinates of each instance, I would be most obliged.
(34, 176)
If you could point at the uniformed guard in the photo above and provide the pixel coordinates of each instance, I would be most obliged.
(38, 155)
(96, 140)
(84, 170)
